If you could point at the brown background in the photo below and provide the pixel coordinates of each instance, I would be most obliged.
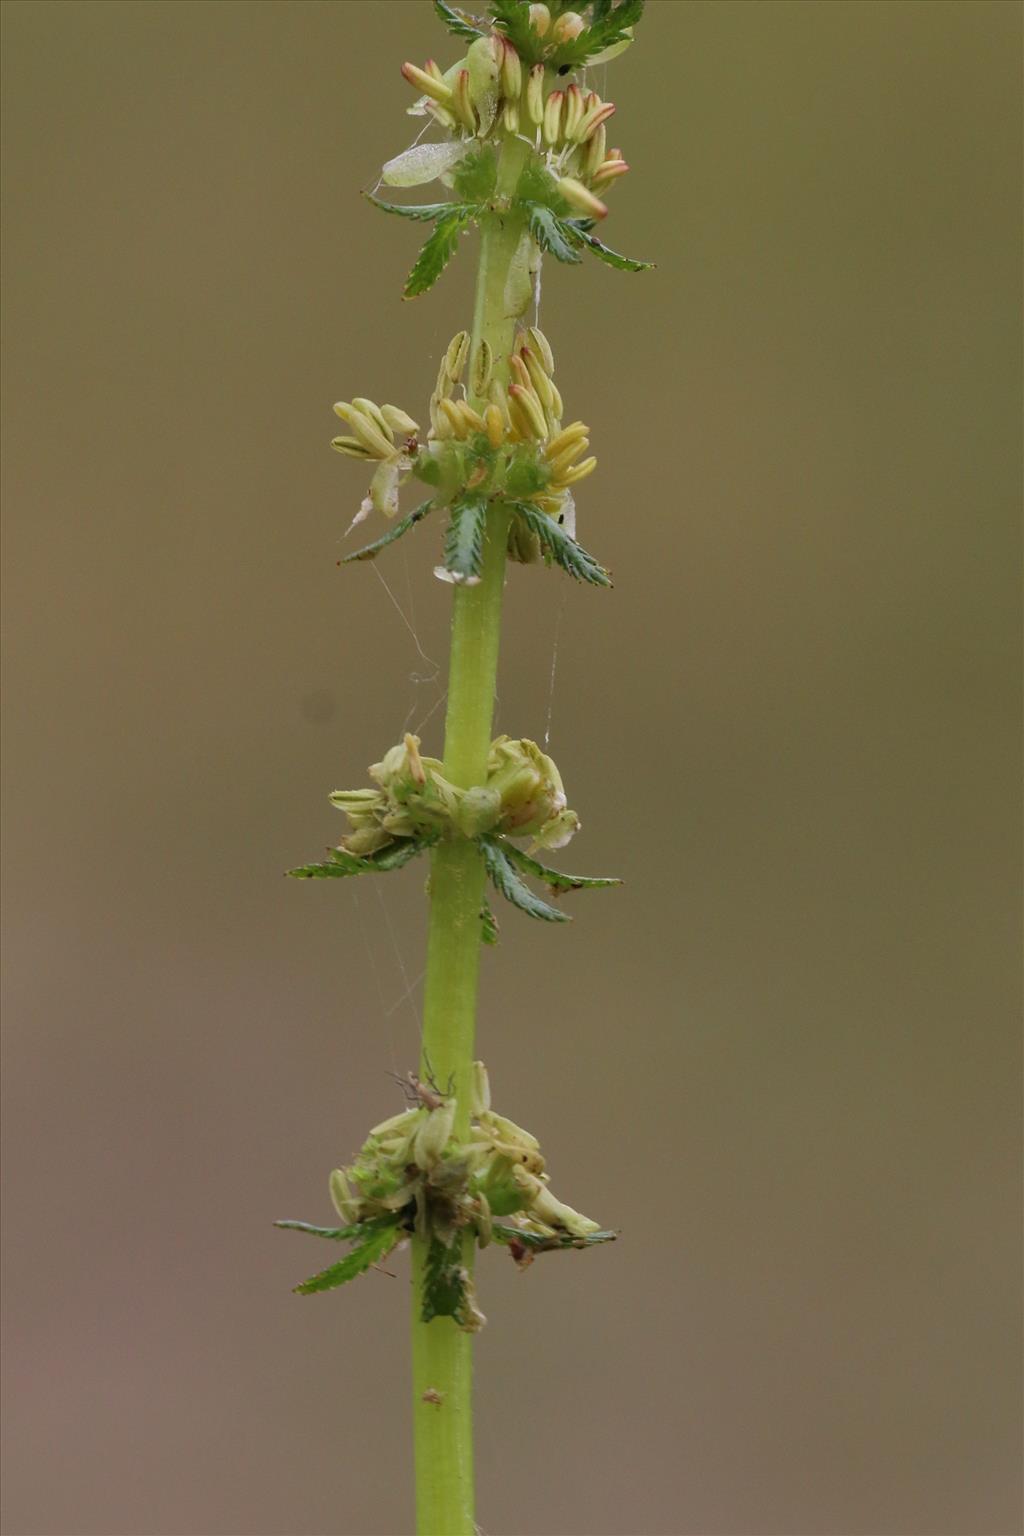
(784, 1059)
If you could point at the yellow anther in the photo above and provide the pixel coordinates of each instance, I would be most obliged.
(449, 411)
(473, 421)
(365, 429)
(571, 476)
(564, 460)
(494, 426)
(538, 378)
(542, 346)
(531, 408)
(371, 409)
(399, 420)
(575, 432)
(351, 446)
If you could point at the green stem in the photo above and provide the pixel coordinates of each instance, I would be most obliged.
(442, 1352)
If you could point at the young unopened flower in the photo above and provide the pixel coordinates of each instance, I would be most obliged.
(532, 795)
(540, 19)
(581, 197)
(568, 26)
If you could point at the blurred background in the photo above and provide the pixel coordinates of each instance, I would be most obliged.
(784, 1059)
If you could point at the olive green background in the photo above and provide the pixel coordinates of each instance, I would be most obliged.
(784, 1058)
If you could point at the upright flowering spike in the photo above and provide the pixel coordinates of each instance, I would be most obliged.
(448, 1173)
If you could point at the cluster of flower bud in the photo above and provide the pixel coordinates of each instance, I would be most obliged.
(382, 433)
(491, 90)
(523, 796)
(411, 1164)
(511, 442)
(478, 94)
(527, 411)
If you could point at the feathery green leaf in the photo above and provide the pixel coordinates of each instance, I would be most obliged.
(341, 864)
(423, 213)
(549, 231)
(439, 249)
(377, 1242)
(573, 231)
(554, 878)
(508, 883)
(336, 1234)
(565, 551)
(369, 551)
(540, 1242)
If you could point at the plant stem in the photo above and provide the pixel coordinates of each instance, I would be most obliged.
(442, 1352)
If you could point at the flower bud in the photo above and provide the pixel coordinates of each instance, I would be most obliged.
(384, 487)
(573, 111)
(483, 62)
(541, 345)
(484, 1224)
(538, 378)
(511, 71)
(494, 426)
(428, 83)
(595, 150)
(480, 1090)
(540, 19)
(593, 119)
(510, 116)
(478, 810)
(552, 126)
(365, 429)
(372, 409)
(450, 412)
(523, 543)
(560, 462)
(609, 170)
(347, 1204)
(573, 433)
(568, 26)
(532, 413)
(556, 1214)
(432, 1136)
(350, 446)
(577, 194)
(535, 93)
(571, 476)
(398, 421)
(462, 102)
(365, 840)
